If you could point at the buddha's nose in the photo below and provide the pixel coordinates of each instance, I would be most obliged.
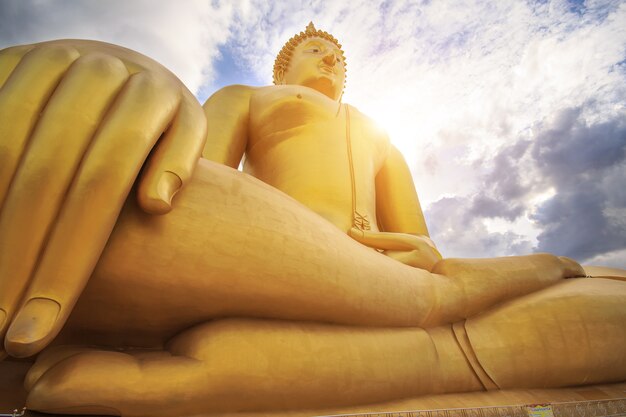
(330, 59)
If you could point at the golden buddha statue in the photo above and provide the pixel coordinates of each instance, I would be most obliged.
(312, 286)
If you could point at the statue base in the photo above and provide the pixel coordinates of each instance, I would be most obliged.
(591, 400)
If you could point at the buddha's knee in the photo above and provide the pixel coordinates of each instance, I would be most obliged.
(572, 333)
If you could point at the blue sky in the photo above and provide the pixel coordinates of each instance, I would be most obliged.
(511, 114)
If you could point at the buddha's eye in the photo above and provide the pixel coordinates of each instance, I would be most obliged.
(314, 50)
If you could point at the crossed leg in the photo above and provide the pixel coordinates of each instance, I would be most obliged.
(236, 247)
(569, 334)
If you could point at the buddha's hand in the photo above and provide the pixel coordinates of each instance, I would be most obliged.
(77, 121)
(416, 251)
(211, 368)
(76, 379)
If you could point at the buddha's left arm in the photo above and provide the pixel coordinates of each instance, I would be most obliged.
(397, 205)
(403, 233)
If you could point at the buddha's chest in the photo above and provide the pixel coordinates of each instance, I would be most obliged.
(292, 108)
(301, 134)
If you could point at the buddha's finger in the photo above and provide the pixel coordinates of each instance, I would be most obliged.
(416, 251)
(390, 241)
(172, 162)
(23, 97)
(125, 385)
(48, 167)
(9, 58)
(49, 358)
(415, 258)
(27, 87)
(140, 114)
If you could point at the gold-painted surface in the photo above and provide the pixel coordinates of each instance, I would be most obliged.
(306, 282)
(560, 336)
(605, 272)
(464, 343)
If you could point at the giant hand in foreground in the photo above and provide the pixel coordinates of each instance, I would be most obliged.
(77, 121)
(236, 247)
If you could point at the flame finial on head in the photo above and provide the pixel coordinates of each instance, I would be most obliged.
(284, 56)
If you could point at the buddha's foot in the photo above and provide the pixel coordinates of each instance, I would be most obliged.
(571, 268)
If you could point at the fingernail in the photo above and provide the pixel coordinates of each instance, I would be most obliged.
(33, 324)
(169, 184)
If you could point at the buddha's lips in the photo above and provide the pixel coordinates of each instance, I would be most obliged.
(328, 68)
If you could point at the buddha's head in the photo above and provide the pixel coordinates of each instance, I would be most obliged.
(314, 59)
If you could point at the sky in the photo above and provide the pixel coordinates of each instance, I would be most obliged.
(511, 114)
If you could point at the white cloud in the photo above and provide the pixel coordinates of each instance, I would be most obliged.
(613, 259)
(183, 36)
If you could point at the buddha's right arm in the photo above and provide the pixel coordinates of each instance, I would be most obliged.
(227, 113)
(78, 120)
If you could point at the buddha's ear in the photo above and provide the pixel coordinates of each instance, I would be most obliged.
(279, 76)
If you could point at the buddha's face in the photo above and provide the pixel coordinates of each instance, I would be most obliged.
(318, 64)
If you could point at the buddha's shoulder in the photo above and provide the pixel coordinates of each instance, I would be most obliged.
(239, 93)
(234, 91)
(234, 97)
